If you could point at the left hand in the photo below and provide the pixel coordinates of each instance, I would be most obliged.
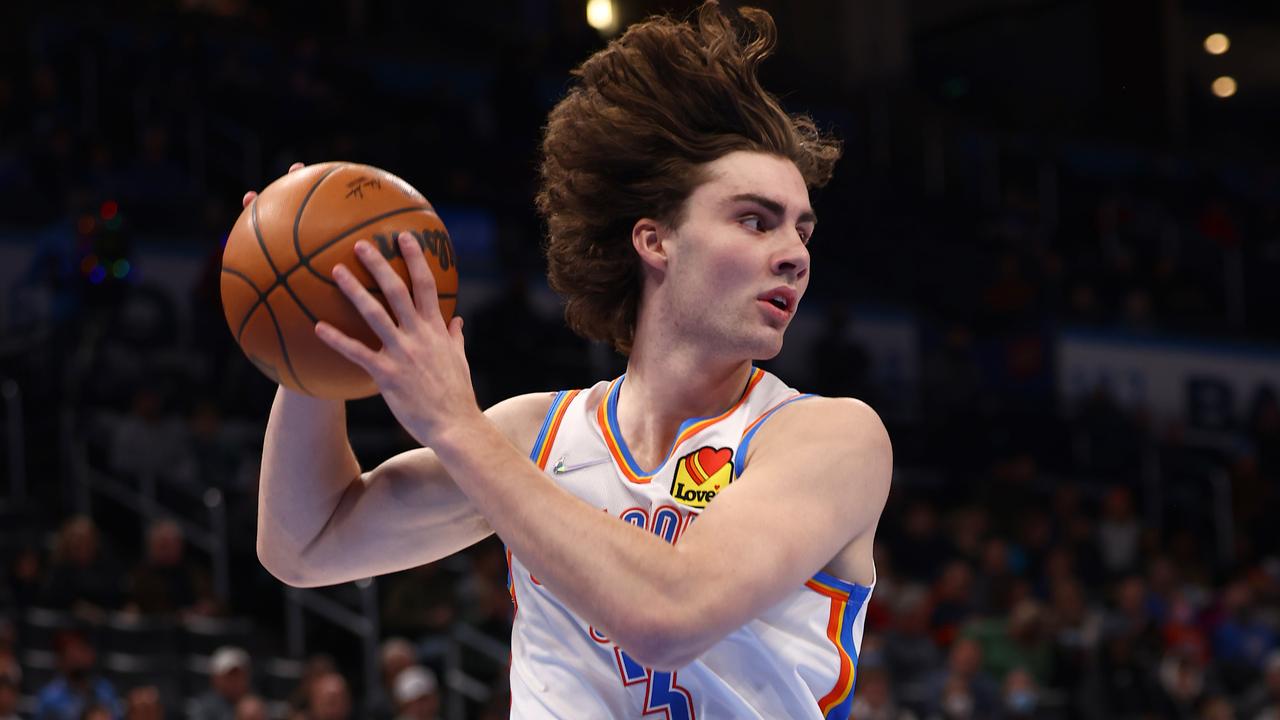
(422, 369)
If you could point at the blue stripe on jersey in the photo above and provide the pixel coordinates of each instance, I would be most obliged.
(740, 456)
(546, 425)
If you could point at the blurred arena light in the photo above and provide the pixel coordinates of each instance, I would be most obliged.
(1224, 87)
(1217, 44)
(601, 16)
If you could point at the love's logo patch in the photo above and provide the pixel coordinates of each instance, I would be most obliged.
(701, 474)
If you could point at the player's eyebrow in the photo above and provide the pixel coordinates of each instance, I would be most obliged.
(774, 206)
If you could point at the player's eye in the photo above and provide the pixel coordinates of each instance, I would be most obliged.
(751, 222)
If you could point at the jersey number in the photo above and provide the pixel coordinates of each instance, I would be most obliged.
(661, 692)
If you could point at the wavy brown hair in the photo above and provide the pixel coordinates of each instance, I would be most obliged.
(631, 139)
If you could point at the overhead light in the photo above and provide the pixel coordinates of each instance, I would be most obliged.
(1217, 44)
(601, 16)
(1224, 87)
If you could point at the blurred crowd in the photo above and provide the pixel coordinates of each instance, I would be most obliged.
(1026, 567)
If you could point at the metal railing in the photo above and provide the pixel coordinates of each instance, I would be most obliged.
(142, 501)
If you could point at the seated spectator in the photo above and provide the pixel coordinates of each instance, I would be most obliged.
(873, 699)
(164, 583)
(230, 673)
(416, 694)
(251, 707)
(76, 689)
(315, 667)
(329, 699)
(1021, 698)
(1016, 640)
(962, 689)
(82, 577)
(397, 654)
(143, 703)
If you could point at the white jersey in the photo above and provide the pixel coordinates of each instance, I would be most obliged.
(796, 660)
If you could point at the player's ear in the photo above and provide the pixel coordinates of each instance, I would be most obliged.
(647, 237)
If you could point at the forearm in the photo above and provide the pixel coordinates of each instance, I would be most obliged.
(620, 578)
(307, 466)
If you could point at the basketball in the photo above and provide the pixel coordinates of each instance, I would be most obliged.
(276, 269)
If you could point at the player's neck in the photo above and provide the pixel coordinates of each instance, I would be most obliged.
(664, 388)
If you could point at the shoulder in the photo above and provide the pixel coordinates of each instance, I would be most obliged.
(520, 418)
(827, 431)
(835, 420)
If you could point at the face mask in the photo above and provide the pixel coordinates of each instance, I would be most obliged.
(1021, 701)
(958, 706)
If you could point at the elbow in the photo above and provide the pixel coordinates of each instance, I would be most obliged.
(288, 570)
(664, 641)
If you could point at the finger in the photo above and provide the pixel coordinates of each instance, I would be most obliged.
(296, 166)
(421, 279)
(393, 287)
(345, 345)
(455, 331)
(248, 198)
(366, 304)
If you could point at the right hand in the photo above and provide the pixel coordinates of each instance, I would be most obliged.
(249, 196)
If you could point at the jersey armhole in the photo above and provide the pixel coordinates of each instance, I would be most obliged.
(550, 426)
(740, 457)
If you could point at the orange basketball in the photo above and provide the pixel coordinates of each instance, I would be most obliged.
(276, 269)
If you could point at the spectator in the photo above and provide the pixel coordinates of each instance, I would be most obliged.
(251, 707)
(230, 673)
(315, 667)
(76, 689)
(1119, 533)
(1015, 640)
(416, 694)
(909, 651)
(143, 703)
(165, 583)
(82, 578)
(1021, 699)
(396, 654)
(329, 698)
(873, 699)
(962, 689)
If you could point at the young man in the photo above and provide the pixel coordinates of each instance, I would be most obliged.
(729, 572)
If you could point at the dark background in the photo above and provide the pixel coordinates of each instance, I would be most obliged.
(1028, 186)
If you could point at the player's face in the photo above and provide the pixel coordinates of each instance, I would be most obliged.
(738, 261)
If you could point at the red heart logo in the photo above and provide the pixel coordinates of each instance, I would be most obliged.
(705, 463)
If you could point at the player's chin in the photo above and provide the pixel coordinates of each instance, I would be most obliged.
(767, 348)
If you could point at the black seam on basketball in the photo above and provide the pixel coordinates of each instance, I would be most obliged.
(262, 297)
(302, 206)
(262, 243)
(284, 348)
(305, 262)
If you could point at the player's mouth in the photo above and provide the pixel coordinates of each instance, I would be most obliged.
(779, 303)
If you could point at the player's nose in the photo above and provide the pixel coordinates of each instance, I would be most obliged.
(792, 259)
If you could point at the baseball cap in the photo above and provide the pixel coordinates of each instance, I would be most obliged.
(413, 682)
(228, 657)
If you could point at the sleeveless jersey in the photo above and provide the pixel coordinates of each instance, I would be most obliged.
(796, 660)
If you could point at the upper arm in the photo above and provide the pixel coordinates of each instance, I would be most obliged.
(816, 480)
(407, 511)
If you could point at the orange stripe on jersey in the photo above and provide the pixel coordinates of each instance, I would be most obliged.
(618, 447)
(554, 416)
(836, 630)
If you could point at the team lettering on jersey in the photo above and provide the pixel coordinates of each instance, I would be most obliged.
(701, 474)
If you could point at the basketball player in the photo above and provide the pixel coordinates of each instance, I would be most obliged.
(693, 538)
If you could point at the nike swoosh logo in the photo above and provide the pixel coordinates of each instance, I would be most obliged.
(560, 468)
